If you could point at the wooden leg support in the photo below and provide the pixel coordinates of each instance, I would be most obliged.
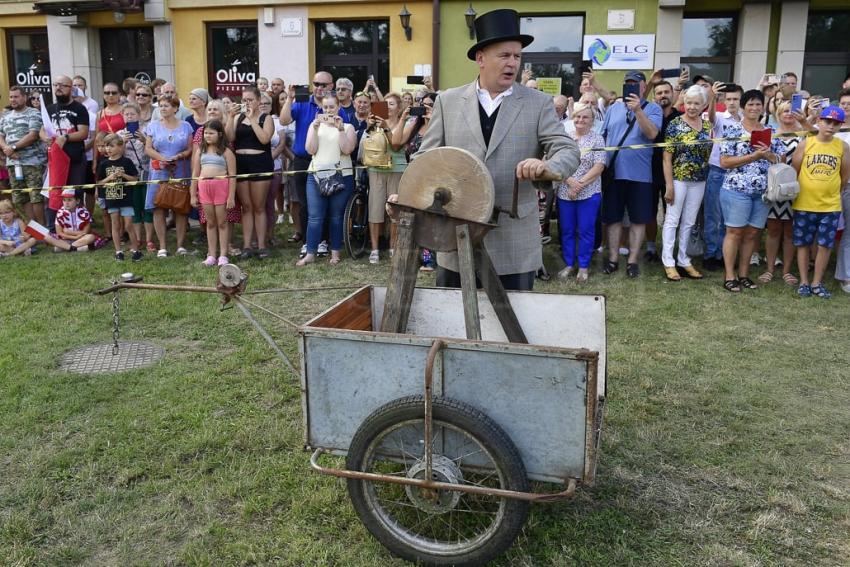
(466, 265)
(498, 297)
(402, 278)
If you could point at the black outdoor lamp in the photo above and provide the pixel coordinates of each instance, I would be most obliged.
(404, 16)
(470, 20)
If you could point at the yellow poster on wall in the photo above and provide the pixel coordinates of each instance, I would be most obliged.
(549, 85)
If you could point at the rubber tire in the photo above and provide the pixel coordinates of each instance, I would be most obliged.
(477, 425)
(356, 211)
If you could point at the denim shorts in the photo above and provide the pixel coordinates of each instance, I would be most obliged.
(740, 210)
(807, 225)
(125, 211)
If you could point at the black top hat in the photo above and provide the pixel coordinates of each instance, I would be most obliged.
(496, 26)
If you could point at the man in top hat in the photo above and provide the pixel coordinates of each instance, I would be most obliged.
(514, 131)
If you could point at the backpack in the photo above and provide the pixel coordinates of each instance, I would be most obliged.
(782, 184)
(376, 149)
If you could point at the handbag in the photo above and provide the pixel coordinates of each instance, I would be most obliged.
(329, 179)
(607, 177)
(782, 184)
(173, 195)
(696, 243)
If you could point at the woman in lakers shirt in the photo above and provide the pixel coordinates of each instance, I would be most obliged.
(823, 165)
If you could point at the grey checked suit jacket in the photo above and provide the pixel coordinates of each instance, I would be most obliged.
(526, 127)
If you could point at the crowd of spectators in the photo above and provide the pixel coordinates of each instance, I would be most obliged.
(694, 159)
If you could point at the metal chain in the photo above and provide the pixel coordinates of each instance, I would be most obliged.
(116, 322)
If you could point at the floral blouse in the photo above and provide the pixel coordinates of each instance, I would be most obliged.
(690, 161)
(750, 178)
(588, 160)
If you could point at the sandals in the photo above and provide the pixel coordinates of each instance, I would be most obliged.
(767, 277)
(263, 253)
(790, 279)
(334, 261)
(821, 291)
(610, 267)
(632, 270)
(747, 283)
(151, 246)
(296, 237)
(672, 274)
(690, 272)
(732, 285)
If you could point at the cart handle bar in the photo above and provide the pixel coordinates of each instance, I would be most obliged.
(431, 485)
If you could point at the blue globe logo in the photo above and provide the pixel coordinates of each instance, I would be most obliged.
(599, 52)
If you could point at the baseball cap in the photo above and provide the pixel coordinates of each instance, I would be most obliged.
(832, 113)
(635, 76)
(69, 194)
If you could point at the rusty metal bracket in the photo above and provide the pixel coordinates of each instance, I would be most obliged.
(428, 484)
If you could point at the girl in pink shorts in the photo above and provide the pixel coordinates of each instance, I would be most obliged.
(213, 159)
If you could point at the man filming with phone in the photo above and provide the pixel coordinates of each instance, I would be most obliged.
(633, 121)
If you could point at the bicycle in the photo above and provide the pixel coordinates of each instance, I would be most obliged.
(356, 221)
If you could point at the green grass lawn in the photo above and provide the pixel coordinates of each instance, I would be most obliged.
(726, 439)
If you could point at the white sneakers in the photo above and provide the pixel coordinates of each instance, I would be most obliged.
(374, 257)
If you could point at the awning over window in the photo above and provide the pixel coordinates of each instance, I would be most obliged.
(74, 7)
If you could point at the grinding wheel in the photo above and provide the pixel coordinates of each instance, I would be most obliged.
(455, 172)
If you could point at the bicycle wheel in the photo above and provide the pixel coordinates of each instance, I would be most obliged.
(356, 225)
(437, 527)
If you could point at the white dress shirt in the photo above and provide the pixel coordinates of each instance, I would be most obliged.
(488, 103)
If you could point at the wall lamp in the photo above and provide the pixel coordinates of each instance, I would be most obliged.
(404, 16)
(470, 20)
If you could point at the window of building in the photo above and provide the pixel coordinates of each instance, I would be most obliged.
(827, 58)
(127, 52)
(29, 60)
(708, 45)
(355, 49)
(555, 52)
(232, 57)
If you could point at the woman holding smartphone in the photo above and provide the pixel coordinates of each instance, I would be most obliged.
(330, 141)
(251, 130)
(134, 150)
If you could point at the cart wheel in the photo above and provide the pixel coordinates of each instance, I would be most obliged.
(356, 225)
(443, 527)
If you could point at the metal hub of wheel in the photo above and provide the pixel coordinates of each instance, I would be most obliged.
(98, 359)
(443, 469)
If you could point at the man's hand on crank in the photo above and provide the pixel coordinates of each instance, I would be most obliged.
(530, 168)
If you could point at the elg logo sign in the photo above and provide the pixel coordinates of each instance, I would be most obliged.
(620, 51)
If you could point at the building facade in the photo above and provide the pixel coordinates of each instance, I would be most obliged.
(226, 44)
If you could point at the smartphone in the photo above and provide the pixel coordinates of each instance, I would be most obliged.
(729, 88)
(381, 109)
(326, 118)
(77, 91)
(586, 66)
(415, 80)
(670, 73)
(685, 70)
(797, 102)
(773, 79)
(761, 136)
(302, 93)
(417, 111)
(133, 127)
(630, 88)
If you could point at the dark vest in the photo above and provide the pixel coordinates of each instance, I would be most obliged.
(487, 122)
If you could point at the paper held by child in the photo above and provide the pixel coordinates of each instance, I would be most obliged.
(36, 230)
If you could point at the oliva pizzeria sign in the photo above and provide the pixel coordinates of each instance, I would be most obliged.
(32, 79)
(232, 79)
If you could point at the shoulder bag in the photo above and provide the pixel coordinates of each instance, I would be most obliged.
(607, 177)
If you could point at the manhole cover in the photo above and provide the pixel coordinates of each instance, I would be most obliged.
(96, 359)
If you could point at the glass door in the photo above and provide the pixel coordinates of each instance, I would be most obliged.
(354, 50)
(127, 52)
